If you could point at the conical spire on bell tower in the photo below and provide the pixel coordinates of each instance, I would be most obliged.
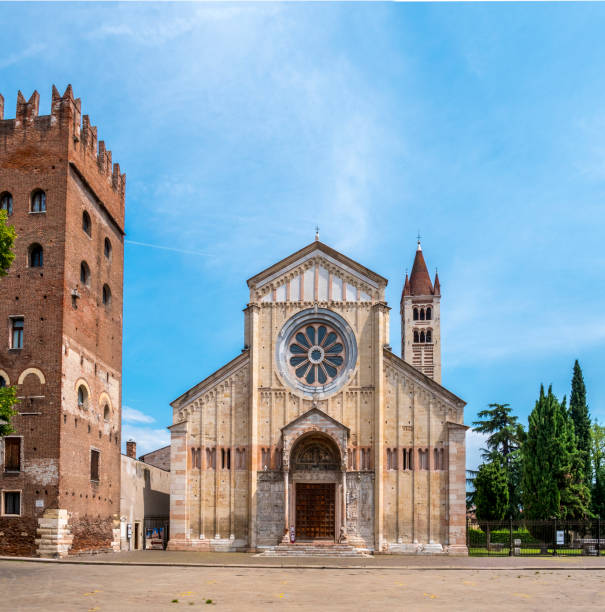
(420, 318)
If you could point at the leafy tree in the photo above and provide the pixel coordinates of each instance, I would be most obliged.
(553, 481)
(8, 399)
(578, 410)
(7, 240)
(491, 492)
(598, 463)
(8, 395)
(505, 436)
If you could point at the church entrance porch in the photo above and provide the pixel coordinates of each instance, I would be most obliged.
(315, 511)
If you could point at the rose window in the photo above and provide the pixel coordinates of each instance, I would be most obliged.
(316, 354)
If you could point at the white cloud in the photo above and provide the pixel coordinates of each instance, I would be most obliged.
(147, 438)
(15, 58)
(475, 442)
(132, 415)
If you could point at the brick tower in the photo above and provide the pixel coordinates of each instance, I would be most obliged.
(420, 319)
(61, 306)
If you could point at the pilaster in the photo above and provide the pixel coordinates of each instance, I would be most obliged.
(179, 486)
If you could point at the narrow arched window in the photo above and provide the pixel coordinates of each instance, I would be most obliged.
(38, 201)
(422, 338)
(106, 412)
(429, 336)
(429, 313)
(106, 295)
(415, 314)
(422, 314)
(82, 397)
(107, 248)
(36, 256)
(416, 336)
(6, 203)
(84, 274)
(86, 224)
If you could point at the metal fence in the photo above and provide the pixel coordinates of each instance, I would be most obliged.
(529, 538)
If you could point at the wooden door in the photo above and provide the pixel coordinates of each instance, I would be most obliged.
(315, 511)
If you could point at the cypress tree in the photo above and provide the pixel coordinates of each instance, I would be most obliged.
(553, 482)
(491, 492)
(578, 410)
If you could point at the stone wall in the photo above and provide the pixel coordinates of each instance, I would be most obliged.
(270, 500)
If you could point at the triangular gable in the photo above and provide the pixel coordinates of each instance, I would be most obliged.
(317, 273)
(319, 414)
(422, 379)
(211, 381)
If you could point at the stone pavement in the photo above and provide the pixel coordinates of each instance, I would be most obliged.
(95, 587)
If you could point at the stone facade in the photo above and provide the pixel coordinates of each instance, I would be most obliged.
(67, 205)
(160, 458)
(324, 415)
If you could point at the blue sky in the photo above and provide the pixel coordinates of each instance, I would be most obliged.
(242, 126)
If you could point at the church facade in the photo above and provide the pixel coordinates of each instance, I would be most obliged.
(317, 432)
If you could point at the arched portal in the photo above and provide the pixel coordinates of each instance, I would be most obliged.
(316, 475)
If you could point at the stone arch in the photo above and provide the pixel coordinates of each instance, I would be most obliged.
(315, 450)
(105, 402)
(35, 371)
(5, 377)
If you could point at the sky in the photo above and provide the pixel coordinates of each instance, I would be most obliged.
(242, 126)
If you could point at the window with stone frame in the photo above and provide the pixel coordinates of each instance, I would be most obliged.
(211, 458)
(38, 201)
(423, 459)
(196, 458)
(35, 256)
(438, 459)
(365, 459)
(95, 457)
(265, 458)
(86, 223)
(392, 458)
(17, 327)
(225, 458)
(240, 459)
(6, 203)
(11, 503)
(12, 454)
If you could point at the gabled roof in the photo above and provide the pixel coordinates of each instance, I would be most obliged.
(316, 246)
(423, 379)
(420, 281)
(212, 380)
(323, 414)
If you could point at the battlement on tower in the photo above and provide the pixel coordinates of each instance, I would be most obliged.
(65, 127)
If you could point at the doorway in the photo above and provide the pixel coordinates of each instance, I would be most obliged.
(315, 511)
(137, 536)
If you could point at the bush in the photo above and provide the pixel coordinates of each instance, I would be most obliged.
(478, 537)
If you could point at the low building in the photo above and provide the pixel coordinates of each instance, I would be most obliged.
(144, 502)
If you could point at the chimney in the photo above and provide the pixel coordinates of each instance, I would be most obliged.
(131, 449)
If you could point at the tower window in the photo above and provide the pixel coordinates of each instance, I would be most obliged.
(422, 337)
(106, 412)
(85, 274)
(6, 203)
(429, 313)
(36, 256)
(415, 314)
(82, 397)
(17, 325)
(94, 464)
(429, 335)
(416, 336)
(38, 201)
(422, 314)
(106, 295)
(86, 224)
(107, 248)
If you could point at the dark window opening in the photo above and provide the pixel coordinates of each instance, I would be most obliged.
(429, 336)
(106, 295)
(12, 502)
(107, 248)
(415, 314)
(422, 314)
(36, 256)
(94, 464)
(17, 333)
(6, 203)
(2, 382)
(82, 397)
(422, 338)
(38, 201)
(416, 336)
(429, 314)
(84, 274)
(106, 412)
(86, 224)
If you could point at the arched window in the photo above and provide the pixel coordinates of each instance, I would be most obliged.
(82, 397)
(429, 313)
(84, 274)
(106, 412)
(36, 256)
(429, 335)
(416, 336)
(415, 314)
(2, 382)
(106, 295)
(422, 338)
(107, 248)
(38, 201)
(86, 224)
(6, 203)
(422, 314)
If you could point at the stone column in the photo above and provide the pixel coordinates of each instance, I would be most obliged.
(179, 504)
(343, 521)
(286, 537)
(456, 489)
(54, 536)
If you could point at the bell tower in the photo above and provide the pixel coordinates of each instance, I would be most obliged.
(420, 319)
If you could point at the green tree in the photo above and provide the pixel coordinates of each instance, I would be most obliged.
(578, 410)
(8, 395)
(505, 436)
(598, 463)
(491, 492)
(552, 481)
(7, 241)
